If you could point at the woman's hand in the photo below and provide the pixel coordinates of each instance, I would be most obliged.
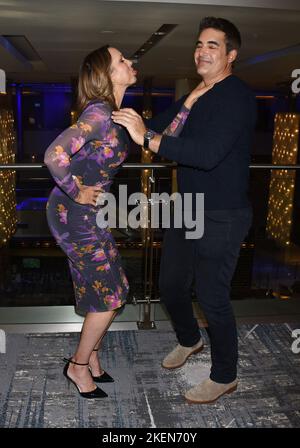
(133, 122)
(196, 93)
(87, 195)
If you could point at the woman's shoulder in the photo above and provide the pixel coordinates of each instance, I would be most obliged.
(99, 104)
(97, 110)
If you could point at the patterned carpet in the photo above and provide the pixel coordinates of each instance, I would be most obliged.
(34, 393)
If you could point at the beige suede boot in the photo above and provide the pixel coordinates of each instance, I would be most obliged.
(177, 357)
(209, 391)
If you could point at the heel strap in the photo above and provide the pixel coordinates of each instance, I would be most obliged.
(73, 362)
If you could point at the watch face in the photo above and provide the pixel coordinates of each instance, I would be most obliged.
(149, 134)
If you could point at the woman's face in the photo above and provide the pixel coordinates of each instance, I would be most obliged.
(122, 73)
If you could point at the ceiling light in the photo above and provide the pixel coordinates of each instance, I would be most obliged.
(154, 39)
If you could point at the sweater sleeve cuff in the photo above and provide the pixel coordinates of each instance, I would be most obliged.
(185, 109)
(168, 148)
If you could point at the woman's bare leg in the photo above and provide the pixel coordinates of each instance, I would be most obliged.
(94, 361)
(93, 329)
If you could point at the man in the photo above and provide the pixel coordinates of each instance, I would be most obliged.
(213, 155)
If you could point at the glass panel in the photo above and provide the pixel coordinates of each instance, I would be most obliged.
(268, 268)
(34, 270)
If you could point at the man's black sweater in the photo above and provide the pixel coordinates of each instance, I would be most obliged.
(213, 150)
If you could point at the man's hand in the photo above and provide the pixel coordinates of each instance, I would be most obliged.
(87, 195)
(133, 122)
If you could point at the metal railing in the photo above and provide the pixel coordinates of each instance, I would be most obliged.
(146, 320)
(22, 166)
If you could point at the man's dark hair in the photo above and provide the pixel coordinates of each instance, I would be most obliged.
(232, 34)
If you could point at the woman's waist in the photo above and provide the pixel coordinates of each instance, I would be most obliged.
(58, 196)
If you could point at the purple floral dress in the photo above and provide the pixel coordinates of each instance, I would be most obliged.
(92, 150)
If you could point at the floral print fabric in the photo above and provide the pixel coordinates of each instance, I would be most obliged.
(93, 150)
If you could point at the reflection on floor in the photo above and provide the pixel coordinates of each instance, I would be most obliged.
(34, 392)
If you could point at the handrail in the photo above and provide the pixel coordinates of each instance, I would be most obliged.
(146, 310)
(16, 166)
(21, 166)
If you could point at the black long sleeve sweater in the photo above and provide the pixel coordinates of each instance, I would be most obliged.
(213, 150)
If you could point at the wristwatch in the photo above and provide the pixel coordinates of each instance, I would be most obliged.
(147, 137)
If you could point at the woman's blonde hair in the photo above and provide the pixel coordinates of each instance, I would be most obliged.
(94, 81)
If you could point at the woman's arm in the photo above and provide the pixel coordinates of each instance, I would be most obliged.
(93, 121)
(136, 127)
(182, 108)
(174, 129)
(162, 120)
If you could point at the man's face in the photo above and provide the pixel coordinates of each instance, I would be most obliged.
(210, 54)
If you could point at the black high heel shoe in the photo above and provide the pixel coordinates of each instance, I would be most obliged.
(104, 378)
(96, 393)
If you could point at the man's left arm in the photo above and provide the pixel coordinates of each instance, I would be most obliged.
(229, 117)
(163, 119)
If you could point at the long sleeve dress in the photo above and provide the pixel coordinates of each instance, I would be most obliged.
(93, 150)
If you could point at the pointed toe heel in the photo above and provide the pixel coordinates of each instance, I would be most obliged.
(104, 378)
(95, 393)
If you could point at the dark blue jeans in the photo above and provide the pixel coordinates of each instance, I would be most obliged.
(207, 264)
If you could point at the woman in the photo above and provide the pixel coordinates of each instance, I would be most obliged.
(83, 161)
